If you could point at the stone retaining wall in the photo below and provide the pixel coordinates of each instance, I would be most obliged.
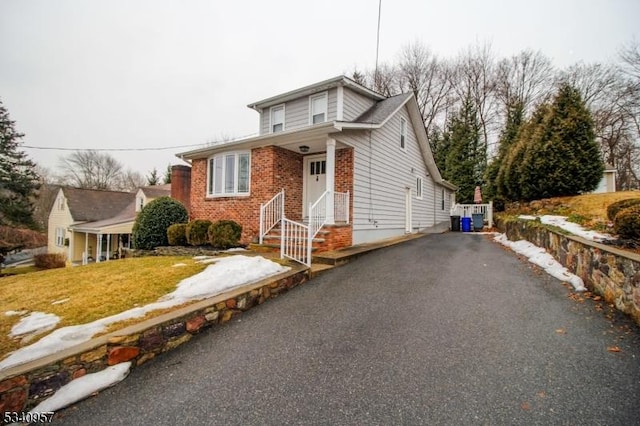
(24, 386)
(612, 273)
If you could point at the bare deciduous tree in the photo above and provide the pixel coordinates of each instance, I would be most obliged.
(524, 79)
(90, 170)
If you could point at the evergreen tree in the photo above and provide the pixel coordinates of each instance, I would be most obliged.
(439, 143)
(562, 157)
(466, 159)
(18, 178)
(166, 179)
(153, 178)
(508, 137)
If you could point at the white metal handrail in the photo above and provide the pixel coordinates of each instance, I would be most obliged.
(271, 213)
(341, 206)
(467, 210)
(295, 243)
(317, 214)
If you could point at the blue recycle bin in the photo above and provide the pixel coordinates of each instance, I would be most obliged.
(466, 224)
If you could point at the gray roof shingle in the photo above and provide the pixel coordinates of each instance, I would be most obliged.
(89, 205)
(382, 109)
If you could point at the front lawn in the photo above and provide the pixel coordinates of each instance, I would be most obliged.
(87, 293)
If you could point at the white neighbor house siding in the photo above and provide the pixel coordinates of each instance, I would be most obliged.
(355, 104)
(59, 217)
(296, 112)
(379, 208)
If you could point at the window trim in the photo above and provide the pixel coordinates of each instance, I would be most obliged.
(403, 133)
(443, 199)
(324, 95)
(271, 123)
(419, 187)
(210, 188)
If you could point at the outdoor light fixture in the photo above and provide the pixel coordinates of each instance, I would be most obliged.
(304, 149)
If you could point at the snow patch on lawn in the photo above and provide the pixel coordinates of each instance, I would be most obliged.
(61, 301)
(225, 274)
(14, 313)
(574, 228)
(540, 257)
(34, 323)
(83, 387)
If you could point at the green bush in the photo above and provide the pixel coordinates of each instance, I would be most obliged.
(150, 227)
(50, 260)
(176, 234)
(225, 234)
(614, 208)
(196, 232)
(627, 223)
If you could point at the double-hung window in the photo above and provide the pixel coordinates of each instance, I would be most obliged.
(318, 108)
(59, 236)
(229, 174)
(277, 118)
(403, 133)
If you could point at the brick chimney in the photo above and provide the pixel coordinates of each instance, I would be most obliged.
(181, 185)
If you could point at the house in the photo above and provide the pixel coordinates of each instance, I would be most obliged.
(608, 181)
(333, 159)
(88, 224)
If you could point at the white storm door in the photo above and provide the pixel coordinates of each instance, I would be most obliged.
(315, 180)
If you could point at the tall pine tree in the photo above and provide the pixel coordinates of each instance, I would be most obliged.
(18, 178)
(466, 158)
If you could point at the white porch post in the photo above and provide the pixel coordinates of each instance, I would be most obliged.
(108, 246)
(98, 247)
(331, 179)
(85, 255)
(70, 253)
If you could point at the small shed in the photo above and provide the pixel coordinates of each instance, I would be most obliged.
(608, 181)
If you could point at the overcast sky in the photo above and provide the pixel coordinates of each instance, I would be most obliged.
(175, 73)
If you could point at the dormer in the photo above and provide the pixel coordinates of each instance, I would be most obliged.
(336, 99)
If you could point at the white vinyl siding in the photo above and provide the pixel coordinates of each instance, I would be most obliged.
(318, 108)
(277, 118)
(378, 209)
(228, 174)
(355, 104)
(296, 112)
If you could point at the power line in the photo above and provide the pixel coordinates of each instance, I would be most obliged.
(164, 148)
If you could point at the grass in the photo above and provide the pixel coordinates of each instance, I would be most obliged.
(94, 291)
(589, 210)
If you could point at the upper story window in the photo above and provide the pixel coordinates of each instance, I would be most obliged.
(419, 188)
(140, 204)
(229, 174)
(403, 133)
(277, 118)
(318, 108)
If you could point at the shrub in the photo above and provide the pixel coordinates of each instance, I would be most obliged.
(614, 208)
(627, 223)
(196, 232)
(176, 234)
(150, 227)
(225, 234)
(50, 260)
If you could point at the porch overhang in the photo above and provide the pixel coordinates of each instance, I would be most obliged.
(314, 137)
(103, 227)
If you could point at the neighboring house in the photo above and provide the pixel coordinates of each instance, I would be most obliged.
(608, 181)
(88, 224)
(364, 159)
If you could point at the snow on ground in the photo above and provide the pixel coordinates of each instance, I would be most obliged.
(34, 323)
(14, 313)
(83, 387)
(540, 257)
(226, 273)
(574, 228)
(61, 301)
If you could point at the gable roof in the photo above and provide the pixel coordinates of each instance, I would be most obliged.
(315, 88)
(155, 191)
(383, 110)
(89, 205)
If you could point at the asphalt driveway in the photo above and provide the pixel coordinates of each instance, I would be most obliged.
(445, 329)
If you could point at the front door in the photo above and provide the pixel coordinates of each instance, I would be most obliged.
(315, 180)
